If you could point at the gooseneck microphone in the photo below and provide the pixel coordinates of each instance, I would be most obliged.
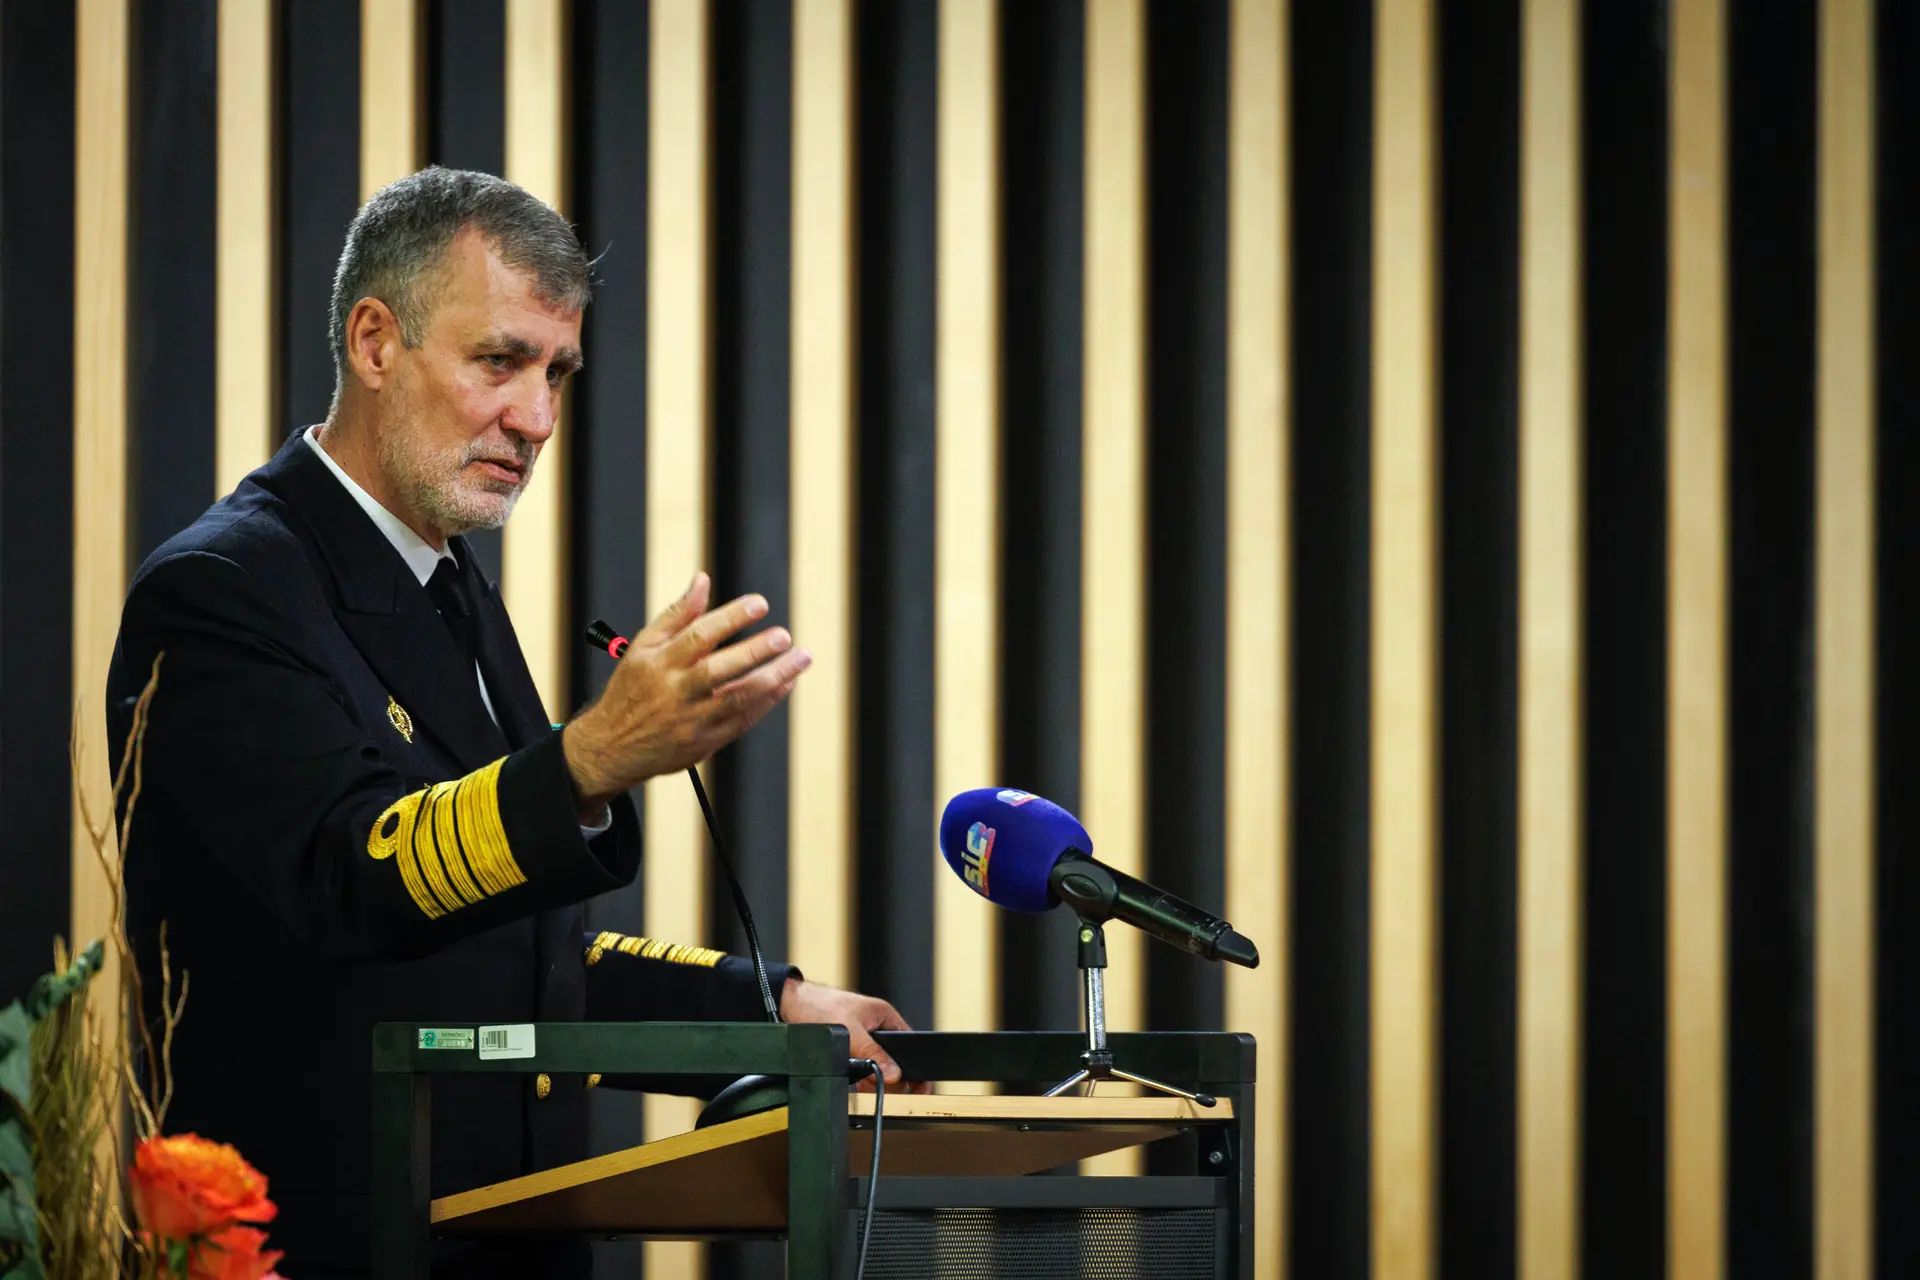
(1028, 854)
(601, 635)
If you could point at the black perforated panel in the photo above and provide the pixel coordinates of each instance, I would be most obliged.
(1043, 1244)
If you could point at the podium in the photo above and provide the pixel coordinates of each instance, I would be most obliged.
(955, 1190)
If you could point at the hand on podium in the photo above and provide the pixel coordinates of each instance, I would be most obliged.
(803, 1001)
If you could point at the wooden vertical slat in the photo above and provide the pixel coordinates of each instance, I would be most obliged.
(246, 406)
(533, 549)
(1697, 648)
(1113, 524)
(824, 489)
(392, 121)
(1404, 644)
(966, 574)
(1258, 560)
(102, 43)
(679, 444)
(1547, 1161)
(1844, 668)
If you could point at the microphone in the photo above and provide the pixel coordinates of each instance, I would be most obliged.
(601, 635)
(1028, 854)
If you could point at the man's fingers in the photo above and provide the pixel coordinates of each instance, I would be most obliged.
(738, 659)
(751, 696)
(862, 1045)
(890, 1019)
(673, 619)
(700, 636)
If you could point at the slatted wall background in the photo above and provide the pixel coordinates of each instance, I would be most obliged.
(1435, 479)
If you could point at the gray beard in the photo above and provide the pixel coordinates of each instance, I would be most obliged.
(435, 486)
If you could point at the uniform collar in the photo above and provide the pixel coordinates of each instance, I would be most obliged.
(367, 568)
(386, 612)
(415, 550)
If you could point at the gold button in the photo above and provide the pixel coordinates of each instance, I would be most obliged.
(542, 1085)
(593, 1080)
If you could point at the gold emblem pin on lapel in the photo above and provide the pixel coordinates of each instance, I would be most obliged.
(401, 720)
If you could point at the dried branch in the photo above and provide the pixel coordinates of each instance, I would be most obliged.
(171, 1011)
(128, 780)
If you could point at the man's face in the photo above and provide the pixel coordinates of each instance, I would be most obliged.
(468, 411)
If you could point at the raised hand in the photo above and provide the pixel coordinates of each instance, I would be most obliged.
(680, 694)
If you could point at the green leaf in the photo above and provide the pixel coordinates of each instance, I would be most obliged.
(25, 1267)
(16, 1058)
(51, 990)
(16, 1153)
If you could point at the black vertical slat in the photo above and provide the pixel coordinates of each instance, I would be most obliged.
(1332, 186)
(1897, 623)
(1479, 348)
(36, 481)
(753, 269)
(319, 143)
(170, 242)
(607, 423)
(894, 737)
(466, 73)
(466, 67)
(1043, 146)
(1772, 55)
(1187, 490)
(1624, 178)
(752, 254)
(609, 404)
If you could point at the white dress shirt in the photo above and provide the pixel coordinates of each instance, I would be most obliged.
(421, 558)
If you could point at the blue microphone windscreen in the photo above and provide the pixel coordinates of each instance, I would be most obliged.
(1004, 843)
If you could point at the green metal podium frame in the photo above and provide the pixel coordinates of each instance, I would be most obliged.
(813, 1060)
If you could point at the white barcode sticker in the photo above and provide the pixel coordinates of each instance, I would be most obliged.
(514, 1041)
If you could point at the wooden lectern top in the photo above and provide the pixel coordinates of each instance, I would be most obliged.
(733, 1177)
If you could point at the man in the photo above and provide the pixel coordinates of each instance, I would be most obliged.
(354, 807)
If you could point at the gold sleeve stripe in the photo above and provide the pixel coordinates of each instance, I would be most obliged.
(428, 851)
(385, 841)
(653, 949)
(450, 843)
(484, 837)
(446, 837)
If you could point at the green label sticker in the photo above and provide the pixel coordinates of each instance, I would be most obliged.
(446, 1037)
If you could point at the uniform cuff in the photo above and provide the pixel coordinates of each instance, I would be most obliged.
(542, 821)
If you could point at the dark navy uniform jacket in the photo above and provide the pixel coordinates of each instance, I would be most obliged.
(336, 833)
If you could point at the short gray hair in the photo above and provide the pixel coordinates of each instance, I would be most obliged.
(400, 237)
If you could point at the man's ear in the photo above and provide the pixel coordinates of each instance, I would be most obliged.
(373, 342)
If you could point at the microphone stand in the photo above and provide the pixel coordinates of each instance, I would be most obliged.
(1096, 1060)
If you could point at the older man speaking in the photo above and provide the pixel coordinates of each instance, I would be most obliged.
(355, 809)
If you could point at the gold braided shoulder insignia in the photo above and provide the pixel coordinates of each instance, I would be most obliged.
(653, 949)
(449, 843)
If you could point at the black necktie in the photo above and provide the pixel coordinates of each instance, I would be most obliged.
(450, 597)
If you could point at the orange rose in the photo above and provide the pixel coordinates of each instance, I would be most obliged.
(186, 1186)
(233, 1254)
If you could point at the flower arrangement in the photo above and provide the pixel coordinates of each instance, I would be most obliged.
(194, 1199)
(66, 1087)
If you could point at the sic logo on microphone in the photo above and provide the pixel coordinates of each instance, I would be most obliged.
(978, 853)
(1015, 798)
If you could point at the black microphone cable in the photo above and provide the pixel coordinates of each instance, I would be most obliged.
(604, 638)
(873, 1178)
